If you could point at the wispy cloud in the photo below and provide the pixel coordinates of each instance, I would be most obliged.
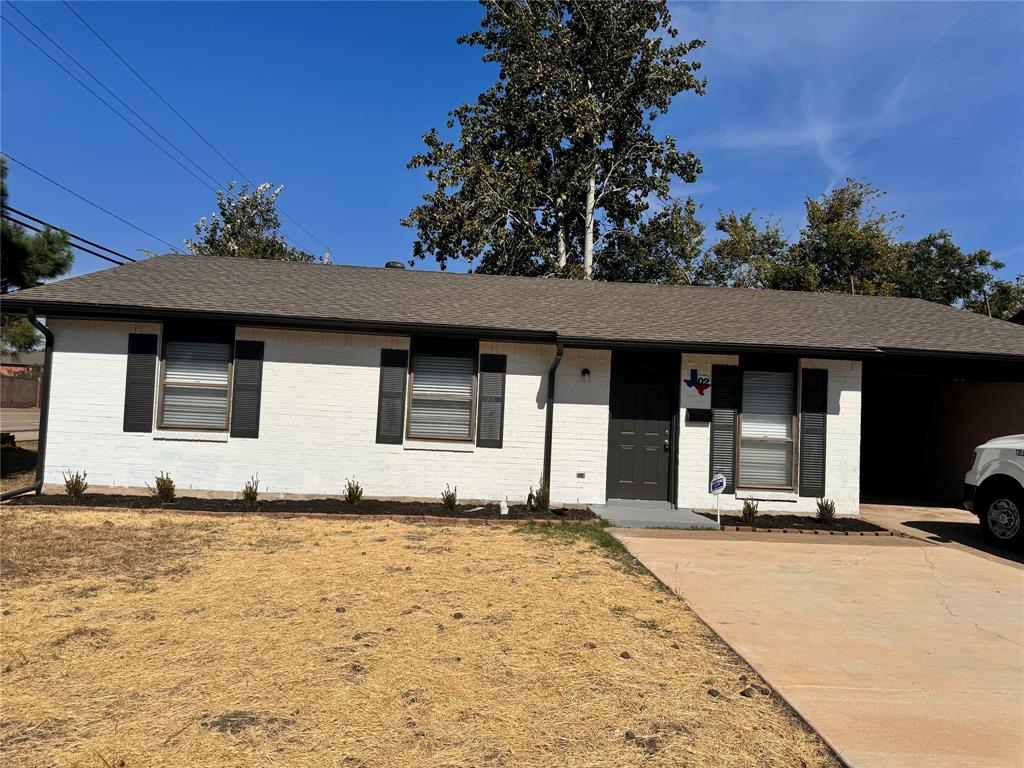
(820, 62)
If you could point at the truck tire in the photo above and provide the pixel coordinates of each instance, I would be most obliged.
(1000, 509)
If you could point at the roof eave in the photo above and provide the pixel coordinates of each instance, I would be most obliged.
(157, 314)
(22, 304)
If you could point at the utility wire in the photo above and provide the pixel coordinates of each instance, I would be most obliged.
(156, 92)
(73, 245)
(87, 200)
(119, 100)
(107, 104)
(30, 217)
(182, 117)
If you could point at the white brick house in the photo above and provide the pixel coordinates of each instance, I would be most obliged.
(217, 369)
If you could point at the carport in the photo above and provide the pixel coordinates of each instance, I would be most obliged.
(922, 416)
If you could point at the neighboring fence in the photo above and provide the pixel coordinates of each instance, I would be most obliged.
(19, 392)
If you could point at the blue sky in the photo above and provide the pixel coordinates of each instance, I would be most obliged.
(923, 99)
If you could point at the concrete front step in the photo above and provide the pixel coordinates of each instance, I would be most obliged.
(646, 514)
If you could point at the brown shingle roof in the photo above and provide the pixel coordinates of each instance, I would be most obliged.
(581, 312)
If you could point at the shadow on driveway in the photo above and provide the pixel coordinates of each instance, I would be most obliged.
(967, 534)
(946, 526)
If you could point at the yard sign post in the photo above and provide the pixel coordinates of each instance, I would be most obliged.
(717, 486)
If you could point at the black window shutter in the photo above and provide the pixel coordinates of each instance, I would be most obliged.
(140, 382)
(394, 364)
(491, 395)
(247, 389)
(725, 402)
(813, 402)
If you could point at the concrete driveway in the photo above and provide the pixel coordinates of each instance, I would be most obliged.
(898, 652)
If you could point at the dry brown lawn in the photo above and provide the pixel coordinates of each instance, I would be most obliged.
(143, 639)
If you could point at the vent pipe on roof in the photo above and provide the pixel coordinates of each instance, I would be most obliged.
(394, 265)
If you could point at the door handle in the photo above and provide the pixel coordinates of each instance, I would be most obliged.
(666, 445)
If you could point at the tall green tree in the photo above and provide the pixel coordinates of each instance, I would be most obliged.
(1002, 299)
(28, 259)
(937, 269)
(747, 255)
(557, 168)
(245, 225)
(847, 244)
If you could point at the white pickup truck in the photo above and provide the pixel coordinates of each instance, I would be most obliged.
(994, 489)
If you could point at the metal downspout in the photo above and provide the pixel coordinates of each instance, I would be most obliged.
(549, 422)
(44, 412)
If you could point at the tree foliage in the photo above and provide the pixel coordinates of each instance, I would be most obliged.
(246, 225)
(748, 256)
(847, 244)
(28, 259)
(1004, 300)
(557, 168)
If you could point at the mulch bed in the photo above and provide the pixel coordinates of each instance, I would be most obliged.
(799, 523)
(368, 507)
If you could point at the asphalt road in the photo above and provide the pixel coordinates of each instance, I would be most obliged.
(23, 422)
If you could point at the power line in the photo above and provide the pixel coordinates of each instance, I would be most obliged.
(182, 117)
(120, 101)
(30, 217)
(87, 200)
(107, 104)
(156, 92)
(73, 245)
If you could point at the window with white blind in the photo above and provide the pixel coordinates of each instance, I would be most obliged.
(441, 396)
(195, 385)
(766, 430)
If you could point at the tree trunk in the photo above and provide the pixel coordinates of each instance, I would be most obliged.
(562, 255)
(588, 229)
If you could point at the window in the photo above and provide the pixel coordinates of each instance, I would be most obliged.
(194, 390)
(766, 430)
(441, 392)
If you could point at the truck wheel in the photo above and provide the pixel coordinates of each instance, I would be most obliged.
(1002, 516)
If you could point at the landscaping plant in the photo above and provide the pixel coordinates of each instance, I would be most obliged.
(164, 490)
(827, 511)
(251, 493)
(353, 491)
(540, 500)
(450, 497)
(749, 512)
(75, 485)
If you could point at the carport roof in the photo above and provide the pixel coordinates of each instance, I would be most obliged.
(576, 312)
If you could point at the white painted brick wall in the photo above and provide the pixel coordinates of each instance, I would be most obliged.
(317, 425)
(580, 435)
(842, 446)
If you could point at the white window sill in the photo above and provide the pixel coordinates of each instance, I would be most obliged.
(438, 445)
(791, 496)
(185, 436)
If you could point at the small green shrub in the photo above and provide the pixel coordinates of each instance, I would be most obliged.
(450, 497)
(540, 500)
(75, 485)
(827, 511)
(251, 493)
(164, 491)
(353, 491)
(749, 512)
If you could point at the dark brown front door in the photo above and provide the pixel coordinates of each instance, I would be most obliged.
(644, 392)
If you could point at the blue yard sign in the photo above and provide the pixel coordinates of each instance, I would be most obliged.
(717, 486)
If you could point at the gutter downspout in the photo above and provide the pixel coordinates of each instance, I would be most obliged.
(549, 417)
(44, 412)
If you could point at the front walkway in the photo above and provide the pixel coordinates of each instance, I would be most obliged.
(898, 652)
